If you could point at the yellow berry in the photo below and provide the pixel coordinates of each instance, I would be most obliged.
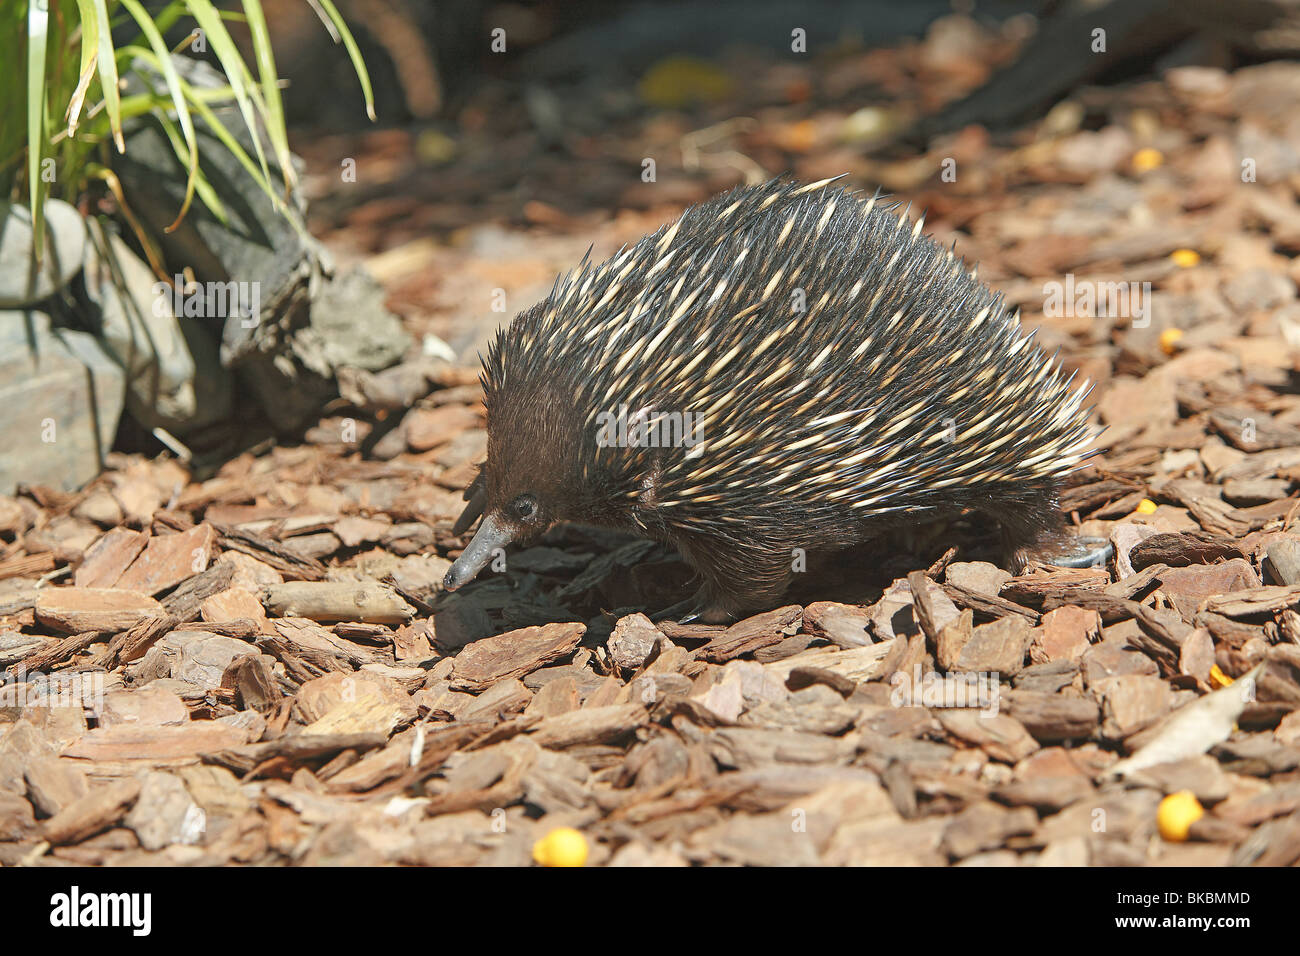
(1185, 258)
(1176, 814)
(1145, 160)
(1146, 507)
(1169, 340)
(1218, 678)
(563, 846)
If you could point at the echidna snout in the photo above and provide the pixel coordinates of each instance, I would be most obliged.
(840, 372)
(498, 528)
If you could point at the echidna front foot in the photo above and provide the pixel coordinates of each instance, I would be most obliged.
(715, 612)
(715, 604)
(696, 609)
(708, 605)
(683, 612)
(1081, 551)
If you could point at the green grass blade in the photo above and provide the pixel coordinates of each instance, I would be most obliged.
(108, 73)
(341, 30)
(166, 18)
(236, 73)
(38, 25)
(178, 99)
(231, 143)
(270, 85)
(154, 104)
(89, 57)
(207, 195)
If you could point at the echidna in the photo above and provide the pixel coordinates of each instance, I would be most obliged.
(785, 369)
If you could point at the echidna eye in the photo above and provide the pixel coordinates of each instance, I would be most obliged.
(525, 506)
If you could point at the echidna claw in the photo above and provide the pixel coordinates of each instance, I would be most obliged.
(683, 612)
(1084, 552)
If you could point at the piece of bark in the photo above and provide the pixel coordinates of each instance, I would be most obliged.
(988, 606)
(53, 783)
(169, 559)
(1283, 560)
(983, 826)
(106, 559)
(923, 605)
(14, 646)
(164, 813)
(241, 629)
(1182, 549)
(294, 750)
(554, 698)
(1163, 639)
(1000, 736)
(310, 640)
(1266, 599)
(77, 610)
(98, 810)
(844, 625)
(895, 614)
(997, 647)
(513, 654)
(1188, 587)
(752, 634)
(801, 677)
(331, 601)
(503, 699)
(1036, 590)
(293, 566)
(133, 643)
(1132, 702)
(62, 652)
(633, 641)
(152, 705)
(184, 602)
(596, 725)
(156, 744)
(412, 641)
(1044, 794)
(859, 664)
(1051, 718)
(234, 604)
(254, 682)
(952, 638)
(26, 565)
(17, 821)
(318, 698)
(1066, 633)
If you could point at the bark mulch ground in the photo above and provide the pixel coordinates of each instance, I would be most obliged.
(259, 667)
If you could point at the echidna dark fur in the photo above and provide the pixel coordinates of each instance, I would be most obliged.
(840, 372)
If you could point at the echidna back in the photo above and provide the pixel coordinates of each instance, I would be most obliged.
(840, 365)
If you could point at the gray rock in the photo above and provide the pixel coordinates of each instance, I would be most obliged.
(22, 281)
(257, 245)
(62, 395)
(374, 343)
(344, 326)
(305, 328)
(175, 377)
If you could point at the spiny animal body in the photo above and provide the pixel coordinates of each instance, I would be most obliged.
(820, 370)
